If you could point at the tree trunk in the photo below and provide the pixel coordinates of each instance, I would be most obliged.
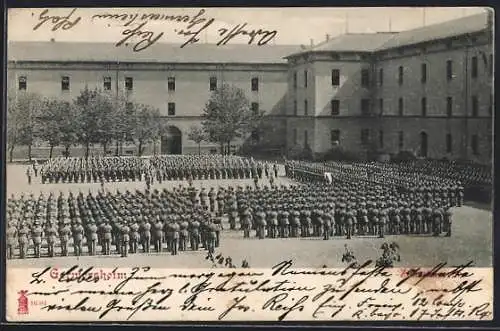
(50, 151)
(229, 148)
(87, 147)
(105, 148)
(29, 152)
(11, 152)
(121, 147)
(139, 152)
(222, 148)
(154, 147)
(66, 151)
(116, 148)
(199, 148)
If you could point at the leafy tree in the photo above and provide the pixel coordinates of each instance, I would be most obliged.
(227, 115)
(22, 112)
(148, 125)
(197, 135)
(56, 124)
(123, 120)
(95, 118)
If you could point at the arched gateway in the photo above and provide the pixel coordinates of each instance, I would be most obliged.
(171, 142)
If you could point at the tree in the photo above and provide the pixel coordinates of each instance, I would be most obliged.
(148, 125)
(227, 115)
(123, 120)
(95, 118)
(21, 114)
(56, 124)
(197, 135)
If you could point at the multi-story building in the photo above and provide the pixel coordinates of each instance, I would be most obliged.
(427, 90)
(176, 81)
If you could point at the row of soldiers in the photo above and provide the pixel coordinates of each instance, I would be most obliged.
(93, 169)
(200, 167)
(379, 174)
(344, 209)
(159, 168)
(121, 222)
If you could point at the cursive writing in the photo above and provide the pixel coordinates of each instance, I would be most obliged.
(58, 22)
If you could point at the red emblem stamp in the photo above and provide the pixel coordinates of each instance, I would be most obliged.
(22, 303)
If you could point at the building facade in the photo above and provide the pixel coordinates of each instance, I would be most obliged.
(427, 90)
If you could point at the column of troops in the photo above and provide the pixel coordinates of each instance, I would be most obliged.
(111, 223)
(345, 209)
(93, 169)
(159, 168)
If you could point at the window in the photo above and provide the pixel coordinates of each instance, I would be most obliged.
(365, 78)
(306, 110)
(365, 136)
(171, 83)
(401, 139)
(305, 78)
(295, 112)
(335, 77)
(381, 106)
(474, 67)
(335, 137)
(381, 138)
(129, 83)
(474, 143)
(449, 70)
(22, 83)
(400, 75)
(449, 106)
(295, 136)
(400, 107)
(213, 83)
(171, 109)
(335, 107)
(381, 77)
(423, 105)
(65, 83)
(449, 143)
(306, 138)
(365, 107)
(255, 108)
(107, 83)
(475, 106)
(255, 84)
(255, 136)
(294, 79)
(423, 77)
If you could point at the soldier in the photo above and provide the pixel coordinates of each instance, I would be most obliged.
(64, 233)
(183, 236)
(124, 239)
(158, 235)
(437, 218)
(211, 197)
(92, 238)
(284, 223)
(273, 223)
(107, 229)
(447, 221)
(218, 227)
(134, 237)
(28, 174)
(175, 228)
(212, 236)
(23, 240)
(295, 224)
(275, 168)
(37, 238)
(327, 225)
(11, 240)
(382, 223)
(77, 238)
(245, 222)
(261, 224)
(194, 235)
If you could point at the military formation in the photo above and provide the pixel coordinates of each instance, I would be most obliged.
(108, 223)
(156, 168)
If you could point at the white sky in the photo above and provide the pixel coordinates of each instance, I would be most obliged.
(294, 25)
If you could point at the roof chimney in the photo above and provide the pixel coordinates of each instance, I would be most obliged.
(52, 40)
(327, 37)
(312, 42)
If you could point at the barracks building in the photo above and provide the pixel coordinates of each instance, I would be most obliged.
(428, 90)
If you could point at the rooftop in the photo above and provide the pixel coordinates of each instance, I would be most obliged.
(55, 51)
